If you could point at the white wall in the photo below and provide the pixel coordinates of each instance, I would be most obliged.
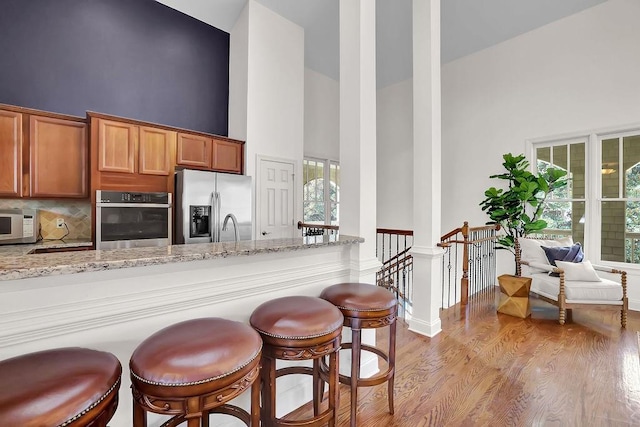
(238, 78)
(575, 74)
(272, 95)
(321, 116)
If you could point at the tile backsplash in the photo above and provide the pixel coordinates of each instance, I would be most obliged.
(76, 215)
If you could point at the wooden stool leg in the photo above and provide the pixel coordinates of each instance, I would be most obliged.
(193, 407)
(255, 403)
(139, 415)
(317, 397)
(356, 340)
(392, 363)
(268, 391)
(334, 385)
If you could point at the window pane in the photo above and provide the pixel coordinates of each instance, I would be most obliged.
(631, 156)
(334, 214)
(333, 177)
(558, 215)
(577, 221)
(612, 241)
(560, 156)
(560, 162)
(544, 154)
(313, 212)
(632, 233)
(565, 219)
(577, 181)
(610, 168)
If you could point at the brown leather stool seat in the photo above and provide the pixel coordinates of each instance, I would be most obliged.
(193, 368)
(61, 387)
(299, 328)
(366, 306)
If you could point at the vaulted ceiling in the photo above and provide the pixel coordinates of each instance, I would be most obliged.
(467, 26)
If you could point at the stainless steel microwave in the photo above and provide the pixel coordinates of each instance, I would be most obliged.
(19, 226)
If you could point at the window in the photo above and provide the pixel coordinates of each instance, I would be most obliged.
(600, 207)
(320, 201)
(565, 208)
(620, 201)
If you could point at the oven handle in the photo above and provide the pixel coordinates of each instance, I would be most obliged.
(133, 205)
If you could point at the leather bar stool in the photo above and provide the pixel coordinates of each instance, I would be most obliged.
(69, 387)
(299, 328)
(193, 368)
(365, 306)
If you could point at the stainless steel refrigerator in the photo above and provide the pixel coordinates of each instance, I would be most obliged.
(212, 207)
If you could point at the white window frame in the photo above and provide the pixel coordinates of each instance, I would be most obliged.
(593, 182)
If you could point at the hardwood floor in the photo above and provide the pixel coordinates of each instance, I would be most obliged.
(489, 369)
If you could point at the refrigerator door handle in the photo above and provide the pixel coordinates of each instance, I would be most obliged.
(218, 216)
(213, 220)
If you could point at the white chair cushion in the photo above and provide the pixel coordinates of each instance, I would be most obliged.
(606, 291)
(531, 251)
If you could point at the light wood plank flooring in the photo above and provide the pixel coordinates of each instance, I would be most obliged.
(489, 369)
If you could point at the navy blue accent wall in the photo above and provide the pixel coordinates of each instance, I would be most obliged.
(131, 58)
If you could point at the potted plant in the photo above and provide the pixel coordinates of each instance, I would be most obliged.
(518, 208)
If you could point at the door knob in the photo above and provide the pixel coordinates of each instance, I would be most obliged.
(264, 233)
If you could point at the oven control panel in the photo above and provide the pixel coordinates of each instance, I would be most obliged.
(131, 197)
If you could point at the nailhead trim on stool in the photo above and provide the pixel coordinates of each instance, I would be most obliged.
(299, 328)
(365, 306)
(194, 368)
(63, 387)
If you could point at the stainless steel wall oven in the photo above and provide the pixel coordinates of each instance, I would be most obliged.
(131, 220)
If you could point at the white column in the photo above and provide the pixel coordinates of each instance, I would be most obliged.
(358, 133)
(426, 168)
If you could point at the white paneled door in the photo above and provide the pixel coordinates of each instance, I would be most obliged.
(276, 199)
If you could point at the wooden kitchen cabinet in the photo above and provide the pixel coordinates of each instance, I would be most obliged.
(227, 156)
(10, 153)
(194, 151)
(215, 154)
(58, 151)
(117, 146)
(155, 151)
(127, 148)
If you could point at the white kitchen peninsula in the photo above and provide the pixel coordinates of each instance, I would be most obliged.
(112, 300)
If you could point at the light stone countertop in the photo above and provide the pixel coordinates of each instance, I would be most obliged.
(27, 248)
(20, 266)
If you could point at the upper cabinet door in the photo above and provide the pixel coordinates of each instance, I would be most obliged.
(194, 151)
(155, 150)
(10, 154)
(227, 156)
(117, 146)
(59, 157)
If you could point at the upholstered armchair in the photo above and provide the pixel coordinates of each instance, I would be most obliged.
(570, 283)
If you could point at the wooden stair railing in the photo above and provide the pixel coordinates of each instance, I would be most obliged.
(478, 260)
(396, 274)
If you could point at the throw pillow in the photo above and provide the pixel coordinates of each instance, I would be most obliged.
(563, 253)
(581, 271)
(531, 250)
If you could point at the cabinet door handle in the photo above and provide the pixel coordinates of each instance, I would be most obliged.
(264, 233)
